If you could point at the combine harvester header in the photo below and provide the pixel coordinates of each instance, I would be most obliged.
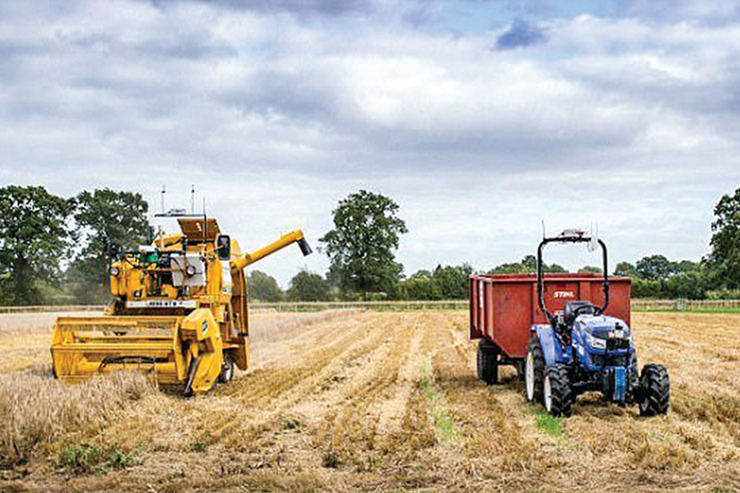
(179, 311)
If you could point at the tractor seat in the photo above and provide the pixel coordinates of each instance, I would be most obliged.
(569, 312)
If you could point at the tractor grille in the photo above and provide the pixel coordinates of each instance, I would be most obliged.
(617, 344)
(609, 360)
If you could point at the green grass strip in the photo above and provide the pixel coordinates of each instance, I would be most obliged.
(438, 413)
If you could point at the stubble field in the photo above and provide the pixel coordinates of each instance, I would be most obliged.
(370, 401)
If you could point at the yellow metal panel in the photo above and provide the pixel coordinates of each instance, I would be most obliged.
(193, 227)
(86, 346)
(285, 240)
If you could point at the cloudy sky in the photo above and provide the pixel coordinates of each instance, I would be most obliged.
(480, 118)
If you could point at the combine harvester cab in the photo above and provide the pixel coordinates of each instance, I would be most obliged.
(179, 312)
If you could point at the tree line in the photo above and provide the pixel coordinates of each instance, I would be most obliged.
(56, 250)
(367, 231)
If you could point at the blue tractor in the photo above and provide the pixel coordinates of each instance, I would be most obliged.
(581, 349)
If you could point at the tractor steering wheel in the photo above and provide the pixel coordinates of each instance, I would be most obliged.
(596, 310)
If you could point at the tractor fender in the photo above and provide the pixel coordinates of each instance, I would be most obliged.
(551, 349)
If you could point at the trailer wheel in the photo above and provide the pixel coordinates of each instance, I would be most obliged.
(557, 392)
(487, 362)
(227, 370)
(519, 366)
(534, 371)
(654, 390)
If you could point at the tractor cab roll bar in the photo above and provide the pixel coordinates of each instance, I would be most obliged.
(569, 236)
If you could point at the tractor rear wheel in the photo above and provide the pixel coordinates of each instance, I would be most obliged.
(487, 362)
(557, 392)
(534, 371)
(654, 390)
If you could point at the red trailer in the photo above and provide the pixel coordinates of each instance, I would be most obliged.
(503, 308)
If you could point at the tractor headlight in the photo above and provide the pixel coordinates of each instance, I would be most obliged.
(619, 333)
(190, 270)
(114, 271)
(595, 342)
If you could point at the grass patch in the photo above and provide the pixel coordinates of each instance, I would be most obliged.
(331, 460)
(37, 409)
(548, 423)
(198, 446)
(718, 310)
(290, 424)
(90, 458)
(119, 459)
(202, 443)
(443, 422)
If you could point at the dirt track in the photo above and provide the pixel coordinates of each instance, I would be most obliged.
(389, 401)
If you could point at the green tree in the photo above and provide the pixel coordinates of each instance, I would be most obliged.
(528, 265)
(625, 269)
(361, 245)
(308, 286)
(691, 284)
(654, 268)
(530, 262)
(555, 269)
(34, 238)
(263, 287)
(444, 283)
(724, 258)
(642, 288)
(590, 269)
(510, 268)
(452, 281)
(110, 221)
(420, 286)
(685, 266)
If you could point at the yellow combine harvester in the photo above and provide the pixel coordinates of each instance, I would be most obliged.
(179, 311)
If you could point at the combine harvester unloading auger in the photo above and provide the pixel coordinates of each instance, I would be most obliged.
(179, 311)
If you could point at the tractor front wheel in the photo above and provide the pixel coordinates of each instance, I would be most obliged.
(654, 390)
(534, 371)
(487, 362)
(557, 393)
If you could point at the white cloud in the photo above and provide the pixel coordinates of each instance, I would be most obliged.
(277, 116)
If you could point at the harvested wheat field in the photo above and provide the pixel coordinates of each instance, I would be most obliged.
(369, 401)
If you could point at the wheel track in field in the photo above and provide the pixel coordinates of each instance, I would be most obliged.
(353, 426)
(370, 411)
(236, 414)
(291, 369)
(491, 420)
(346, 411)
(352, 386)
(276, 392)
